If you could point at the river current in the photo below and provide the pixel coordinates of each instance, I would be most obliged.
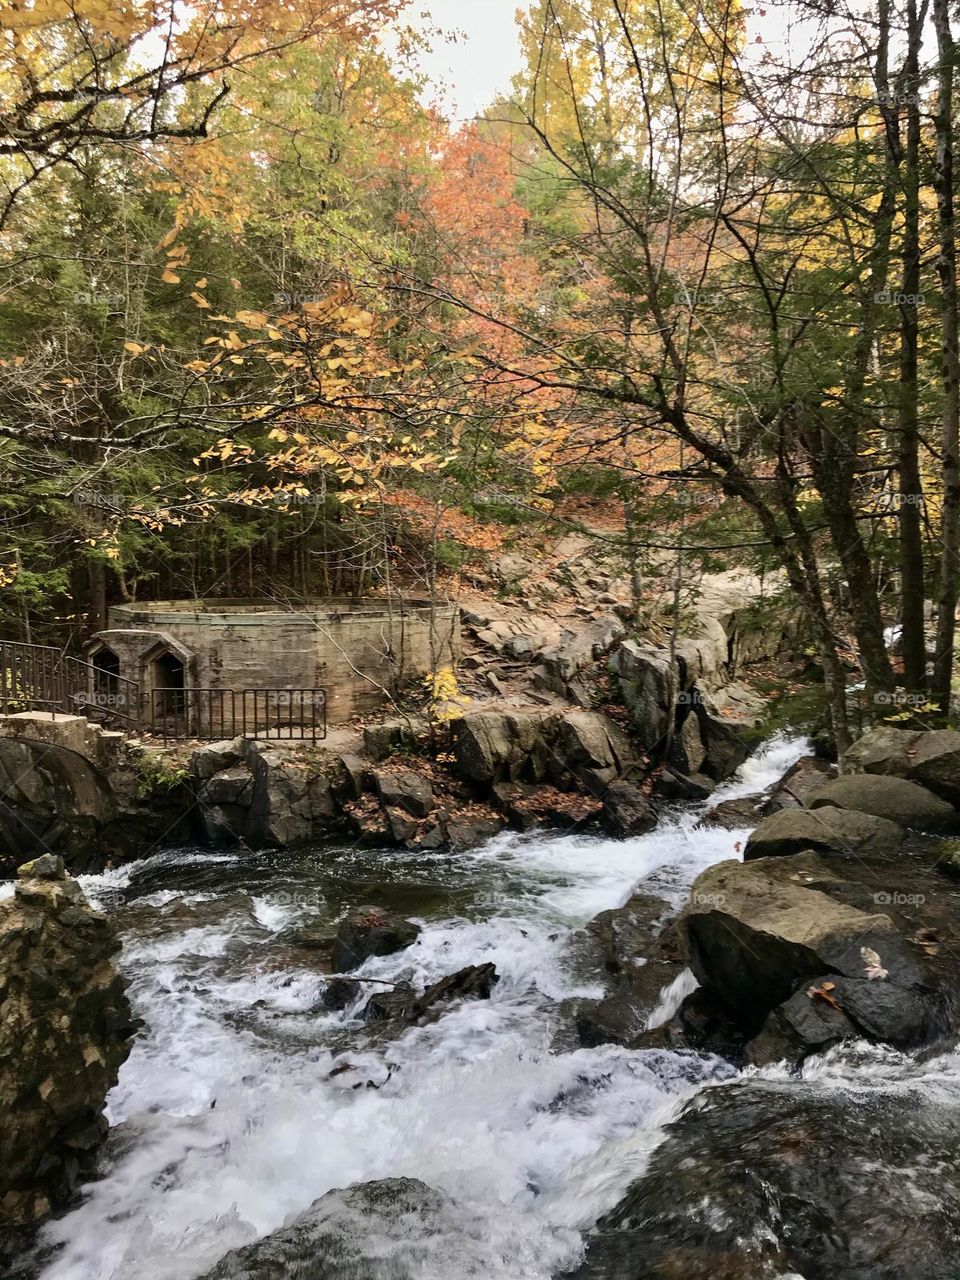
(243, 1100)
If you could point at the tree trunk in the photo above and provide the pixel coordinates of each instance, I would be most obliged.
(835, 477)
(910, 486)
(950, 422)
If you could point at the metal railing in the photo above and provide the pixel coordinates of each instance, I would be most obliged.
(36, 677)
(212, 714)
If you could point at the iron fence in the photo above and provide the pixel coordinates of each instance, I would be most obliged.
(36, 677)
(212, 714)
(42, 678)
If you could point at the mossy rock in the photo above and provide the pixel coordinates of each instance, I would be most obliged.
(946, 855)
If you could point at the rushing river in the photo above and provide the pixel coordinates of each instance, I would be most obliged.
(227, 1118)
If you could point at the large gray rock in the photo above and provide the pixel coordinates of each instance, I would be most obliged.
(800, 952)
(385, 1230)
(887, 797)
(561, 663)
(591, 739)
(768, 1179)
(755, 930)
(492, 746)
(743, 811)
(627, 811)
(406, 789)
(883, 749)
(688, 753)
(644, 673)
(931, 758)
(622, 935)
(214, 757)
(634, 951)
(725, 738)
(290, 803)
(825, 830)
(65, 1030)
(230, 786)
(935, 763)
(703, 654)
(799, 782)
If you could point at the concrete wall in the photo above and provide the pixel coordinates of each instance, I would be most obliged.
(352, 649)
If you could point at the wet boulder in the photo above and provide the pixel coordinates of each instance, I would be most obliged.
(826, 830)
(671, 785)
(764, 1179)
(635, 951)
(369, 1231)
(340, 994)
(370, 931)
(783, 945)
(394, 1005)
(622, 1017)
(732, 815)
(403, 1005)
(627, 811)
(893, 798)
(65, 1030)
(621, 935)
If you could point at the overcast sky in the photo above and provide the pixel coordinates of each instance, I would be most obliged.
(483, 58)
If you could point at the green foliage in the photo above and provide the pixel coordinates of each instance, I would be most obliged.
(160, 773)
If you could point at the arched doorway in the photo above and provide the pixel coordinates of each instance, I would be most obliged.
(106, 673)
(168, 683)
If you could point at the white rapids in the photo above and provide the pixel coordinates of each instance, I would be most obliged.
(227, 1123)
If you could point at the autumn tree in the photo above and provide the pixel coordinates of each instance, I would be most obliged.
(126, 73)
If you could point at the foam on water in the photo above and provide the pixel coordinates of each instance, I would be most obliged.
(226, 1128)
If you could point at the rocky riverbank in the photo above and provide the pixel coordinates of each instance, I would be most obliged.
(65, 1030)
(584, 725)
(837, 928)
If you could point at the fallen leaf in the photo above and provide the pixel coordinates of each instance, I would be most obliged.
(873, 963)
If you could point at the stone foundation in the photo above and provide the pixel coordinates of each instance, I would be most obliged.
(358, 651)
